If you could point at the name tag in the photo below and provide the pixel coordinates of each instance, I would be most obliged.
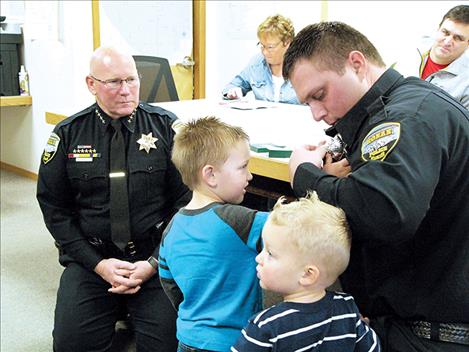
(117, 174)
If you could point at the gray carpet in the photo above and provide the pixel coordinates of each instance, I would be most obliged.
(29, 269)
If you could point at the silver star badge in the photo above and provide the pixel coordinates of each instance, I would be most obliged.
(147, 142)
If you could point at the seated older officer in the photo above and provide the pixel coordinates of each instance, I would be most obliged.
(406, 197)
(263, 74)
(106, 189)
(446, 64)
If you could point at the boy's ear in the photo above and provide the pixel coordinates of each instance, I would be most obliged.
(310, 275)
(208, 175)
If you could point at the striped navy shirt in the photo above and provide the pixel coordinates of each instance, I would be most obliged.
(331, 324)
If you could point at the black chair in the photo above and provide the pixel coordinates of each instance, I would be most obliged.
(156, 83)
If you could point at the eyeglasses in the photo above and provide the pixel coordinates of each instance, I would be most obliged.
(117, 83)
(269, 47)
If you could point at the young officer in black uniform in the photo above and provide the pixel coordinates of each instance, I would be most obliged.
(406, 198)
(106, 189)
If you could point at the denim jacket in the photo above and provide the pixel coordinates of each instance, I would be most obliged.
(453, 79)
(257, 77)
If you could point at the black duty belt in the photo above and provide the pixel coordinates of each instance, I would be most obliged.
(447, 332)
(141, 248)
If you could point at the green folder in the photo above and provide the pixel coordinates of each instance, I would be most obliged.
(259, 148)
(275, 151)
(279, 152)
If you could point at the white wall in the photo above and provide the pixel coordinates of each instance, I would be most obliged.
(396, 28)
(56, 56)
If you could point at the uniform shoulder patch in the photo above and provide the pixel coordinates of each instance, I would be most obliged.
(51, 148)
(379, 142)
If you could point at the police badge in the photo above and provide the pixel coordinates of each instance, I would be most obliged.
(335, 146)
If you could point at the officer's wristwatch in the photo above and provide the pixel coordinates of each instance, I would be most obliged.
(153, 262)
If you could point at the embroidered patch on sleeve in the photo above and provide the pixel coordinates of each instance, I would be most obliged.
(379, 142)
(51, 148)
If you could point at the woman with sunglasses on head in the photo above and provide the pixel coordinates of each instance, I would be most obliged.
(263, 74)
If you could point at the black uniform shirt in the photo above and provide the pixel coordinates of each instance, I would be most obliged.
(407, 200)
(73, 184)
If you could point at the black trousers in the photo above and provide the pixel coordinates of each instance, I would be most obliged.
(86, 314)
(396, 336)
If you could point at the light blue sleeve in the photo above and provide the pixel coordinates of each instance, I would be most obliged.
(243, 79)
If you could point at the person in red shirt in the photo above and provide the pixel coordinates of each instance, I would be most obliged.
(446, 64)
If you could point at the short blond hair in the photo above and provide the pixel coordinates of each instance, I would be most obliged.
(204, 141)
(278, 25)
(319, 231)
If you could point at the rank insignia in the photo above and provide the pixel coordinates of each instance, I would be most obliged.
(51, 148)
(379, 142)
(84, 153)
(147, 142)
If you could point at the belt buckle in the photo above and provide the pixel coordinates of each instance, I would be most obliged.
(421, 329)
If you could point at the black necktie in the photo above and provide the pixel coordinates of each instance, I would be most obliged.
(119, 200)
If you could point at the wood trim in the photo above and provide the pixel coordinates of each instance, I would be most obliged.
(17, 170)
(53, 119)
(95, 24)
(324, 10)
(198, 35)
(16, 100)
